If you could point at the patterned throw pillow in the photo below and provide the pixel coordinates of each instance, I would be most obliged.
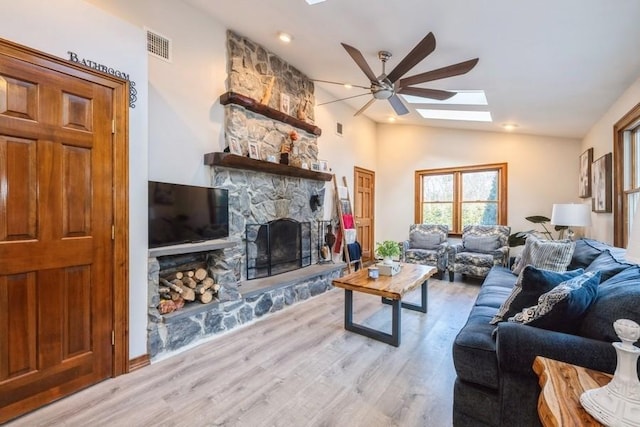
(553, 255)
(531, 283)
(481, 243)
(562, 308)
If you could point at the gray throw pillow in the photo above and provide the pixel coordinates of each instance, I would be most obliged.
(481, 243)
(554, 255)
(419, 240)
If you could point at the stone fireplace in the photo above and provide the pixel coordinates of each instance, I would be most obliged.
(264, 206)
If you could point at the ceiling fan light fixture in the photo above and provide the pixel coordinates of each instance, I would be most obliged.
(285, 37)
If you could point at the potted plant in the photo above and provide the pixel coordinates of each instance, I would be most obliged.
(387, 250)
(517, 239)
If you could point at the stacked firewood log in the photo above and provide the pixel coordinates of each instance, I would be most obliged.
(181, 287)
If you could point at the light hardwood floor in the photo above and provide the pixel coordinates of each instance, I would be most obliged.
(297, 367)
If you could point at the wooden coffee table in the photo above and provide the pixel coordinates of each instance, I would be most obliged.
(391, 289)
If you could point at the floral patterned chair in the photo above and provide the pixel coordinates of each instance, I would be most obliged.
(482, 247)
(427, 245)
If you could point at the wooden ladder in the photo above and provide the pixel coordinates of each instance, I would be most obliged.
(344, 207)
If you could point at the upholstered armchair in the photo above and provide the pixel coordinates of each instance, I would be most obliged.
(482, 247)
(427, 245)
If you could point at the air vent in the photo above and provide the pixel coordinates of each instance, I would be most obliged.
(338, 128)
(158, 46)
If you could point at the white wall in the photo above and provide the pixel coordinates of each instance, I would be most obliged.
(73, 25)
(600, 137)
(356, 146)
(541, 170)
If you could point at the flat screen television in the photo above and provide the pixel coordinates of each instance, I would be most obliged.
(186, 214)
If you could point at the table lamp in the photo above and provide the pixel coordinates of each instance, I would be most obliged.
(571, 215)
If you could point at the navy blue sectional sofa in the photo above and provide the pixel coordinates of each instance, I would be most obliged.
(495, 384)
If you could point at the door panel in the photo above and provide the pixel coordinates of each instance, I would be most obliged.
(56, 251)
(364, 211)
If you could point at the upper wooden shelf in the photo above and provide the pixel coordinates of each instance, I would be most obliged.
(253, 105)
(239, 162)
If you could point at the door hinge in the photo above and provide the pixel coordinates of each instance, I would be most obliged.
(113, 338)
(113, 232)
(113, 126)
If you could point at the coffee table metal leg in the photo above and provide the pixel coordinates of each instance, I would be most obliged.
(393, 338)
(415, 307)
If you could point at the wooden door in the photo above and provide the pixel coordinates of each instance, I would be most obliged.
(364, 210)
(56, 245)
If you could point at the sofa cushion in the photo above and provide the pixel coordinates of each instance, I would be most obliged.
(496, 287)
(474, 350)
(531, 284)
(481, 243)
(585, 252)
(419, 240)
(618, 298)
(553, 255)
(562, 308)
(607, 265)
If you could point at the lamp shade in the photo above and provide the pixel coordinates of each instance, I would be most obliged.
(571, 215)
(633, 245)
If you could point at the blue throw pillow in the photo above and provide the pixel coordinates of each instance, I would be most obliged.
(532, 282)
(562, 308)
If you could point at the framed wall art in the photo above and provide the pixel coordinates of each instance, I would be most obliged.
(601, 184)
(285, 103)
(584, 183)
(254, 152)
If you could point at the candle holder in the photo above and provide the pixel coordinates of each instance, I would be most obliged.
(617, 404)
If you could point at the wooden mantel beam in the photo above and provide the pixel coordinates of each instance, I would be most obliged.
(253, 105)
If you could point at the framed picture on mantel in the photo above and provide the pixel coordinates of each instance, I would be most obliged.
(601, 184)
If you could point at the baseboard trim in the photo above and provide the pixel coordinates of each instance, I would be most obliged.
(139, 362)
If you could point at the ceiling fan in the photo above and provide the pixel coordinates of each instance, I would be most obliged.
(388, 86)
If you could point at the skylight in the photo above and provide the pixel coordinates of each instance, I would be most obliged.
(462, 97)
(476, 116)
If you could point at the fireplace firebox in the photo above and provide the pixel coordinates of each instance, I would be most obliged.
(276, 247)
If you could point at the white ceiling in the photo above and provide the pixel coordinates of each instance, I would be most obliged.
(554, 67)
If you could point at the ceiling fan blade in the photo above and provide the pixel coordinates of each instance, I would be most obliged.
(341, 84)
(364, 107)
(440, 73)
(422, 49)
(362, 63)
(440, 95)
(342, 99)
(398, 106)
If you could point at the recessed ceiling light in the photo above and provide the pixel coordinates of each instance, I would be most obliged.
(285, 37)
(509, 126)
(391, 119)
(314, 1)
(462, 97)
(476, 116)
(348, 86)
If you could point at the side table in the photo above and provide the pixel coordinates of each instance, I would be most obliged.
(562, 384)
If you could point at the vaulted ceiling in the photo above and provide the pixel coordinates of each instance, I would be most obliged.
(553, 67)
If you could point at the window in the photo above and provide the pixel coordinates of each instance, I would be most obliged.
(462, 196)
(626, 149)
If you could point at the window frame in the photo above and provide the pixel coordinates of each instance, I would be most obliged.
(629, 123)
(500, 168)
